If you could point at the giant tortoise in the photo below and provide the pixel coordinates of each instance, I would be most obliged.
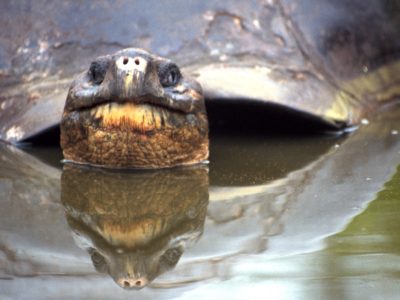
(332, 63)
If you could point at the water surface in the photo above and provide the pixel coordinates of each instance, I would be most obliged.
(310, 217)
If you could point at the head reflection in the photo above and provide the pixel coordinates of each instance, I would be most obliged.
(135, 225)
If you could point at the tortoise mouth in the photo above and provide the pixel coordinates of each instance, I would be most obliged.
(153, 101)
(140, 117)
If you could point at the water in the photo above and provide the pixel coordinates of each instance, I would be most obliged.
(280, 217)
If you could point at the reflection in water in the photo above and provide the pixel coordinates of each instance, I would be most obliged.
(243, 160)
(275, 221)
(135, 225)
(376, 230)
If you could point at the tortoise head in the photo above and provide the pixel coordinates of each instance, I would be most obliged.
(134, 109)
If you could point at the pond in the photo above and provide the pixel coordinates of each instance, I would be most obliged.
(277, 217)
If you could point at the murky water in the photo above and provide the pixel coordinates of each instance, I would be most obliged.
(269, 217)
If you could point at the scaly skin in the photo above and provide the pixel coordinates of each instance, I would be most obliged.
(134, 110)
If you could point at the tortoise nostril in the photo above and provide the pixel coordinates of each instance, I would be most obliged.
(125, 61)
(126, 284)
(138, 283)
(137, 62)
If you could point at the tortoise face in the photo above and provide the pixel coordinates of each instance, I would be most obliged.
(134, 109)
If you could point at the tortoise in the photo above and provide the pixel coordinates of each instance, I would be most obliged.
(332, 63)
(134, 109)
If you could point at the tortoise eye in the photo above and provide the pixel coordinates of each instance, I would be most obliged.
(98, 69)
(169, 75)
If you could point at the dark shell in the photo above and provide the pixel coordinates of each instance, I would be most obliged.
(334, 60)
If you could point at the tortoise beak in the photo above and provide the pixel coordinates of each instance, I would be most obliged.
(126, 78)
(132, 283)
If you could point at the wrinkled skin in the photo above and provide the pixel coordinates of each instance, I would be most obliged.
(134, 109)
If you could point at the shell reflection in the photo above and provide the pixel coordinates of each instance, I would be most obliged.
(135, 225)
